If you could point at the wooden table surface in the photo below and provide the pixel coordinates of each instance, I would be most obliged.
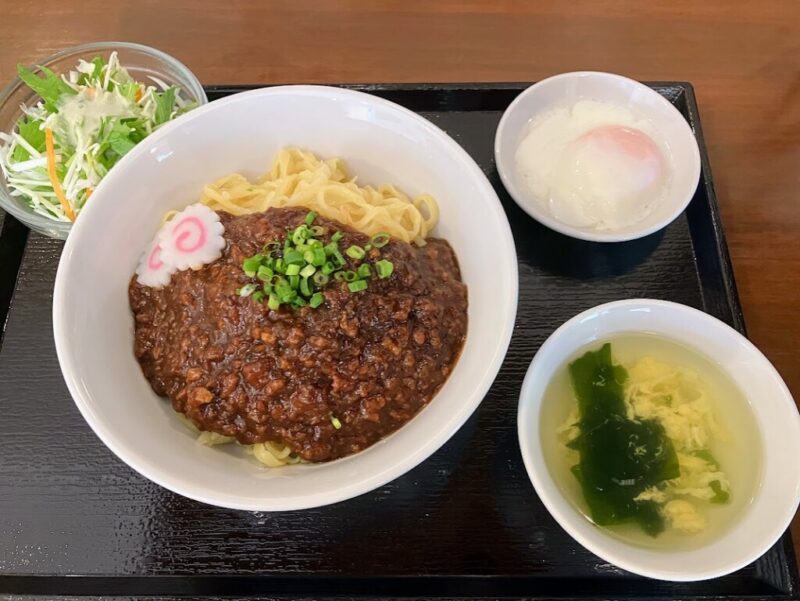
(742, 57)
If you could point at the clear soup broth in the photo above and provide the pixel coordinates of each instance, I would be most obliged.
(737, 448)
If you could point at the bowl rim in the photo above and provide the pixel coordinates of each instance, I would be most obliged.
(40, 222)
(506, 170)
(554, 500)
(185, 487)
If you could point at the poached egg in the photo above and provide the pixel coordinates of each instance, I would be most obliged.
(594, 165)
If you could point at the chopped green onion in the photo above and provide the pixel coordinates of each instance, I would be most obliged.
(306, 266)
(298, 236)
(316, 300)
(357, 286)
(247, 290)
(355, 252)
(271, 247)
(264, 273)
(251, 265)
(380, 240)
(292, 257)
(335, 421)
(384, 268)
(318, 260)
(337, 259)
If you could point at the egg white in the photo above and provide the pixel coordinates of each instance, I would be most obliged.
(588, 184)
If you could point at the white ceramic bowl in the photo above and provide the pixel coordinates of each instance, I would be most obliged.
(774, 504)
(381, 142)
(615, 89)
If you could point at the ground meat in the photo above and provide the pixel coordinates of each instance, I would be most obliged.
(371, 359)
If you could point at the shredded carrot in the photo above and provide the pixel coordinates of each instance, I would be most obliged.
(51, 171)
(89, 192)
(138, 95)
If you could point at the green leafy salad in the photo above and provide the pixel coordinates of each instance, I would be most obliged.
(85, 122)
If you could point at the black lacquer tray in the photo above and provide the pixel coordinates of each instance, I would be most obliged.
(75, 521)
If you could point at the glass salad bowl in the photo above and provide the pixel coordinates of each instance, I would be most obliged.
(145, 65)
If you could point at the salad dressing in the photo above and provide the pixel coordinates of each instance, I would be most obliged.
(84, 112)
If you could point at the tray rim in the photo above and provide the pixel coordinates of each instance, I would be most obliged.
(716, 284)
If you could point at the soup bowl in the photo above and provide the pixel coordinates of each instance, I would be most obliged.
(381, 142)
(760, 522)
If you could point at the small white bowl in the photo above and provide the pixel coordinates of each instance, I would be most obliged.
(568, 88)
(381, 142)
(774, 503)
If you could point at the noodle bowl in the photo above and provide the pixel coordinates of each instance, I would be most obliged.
(168, 170)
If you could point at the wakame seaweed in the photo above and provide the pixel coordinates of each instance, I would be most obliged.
(619, 457)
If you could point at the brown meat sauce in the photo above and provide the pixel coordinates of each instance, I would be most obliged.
(371, 359)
